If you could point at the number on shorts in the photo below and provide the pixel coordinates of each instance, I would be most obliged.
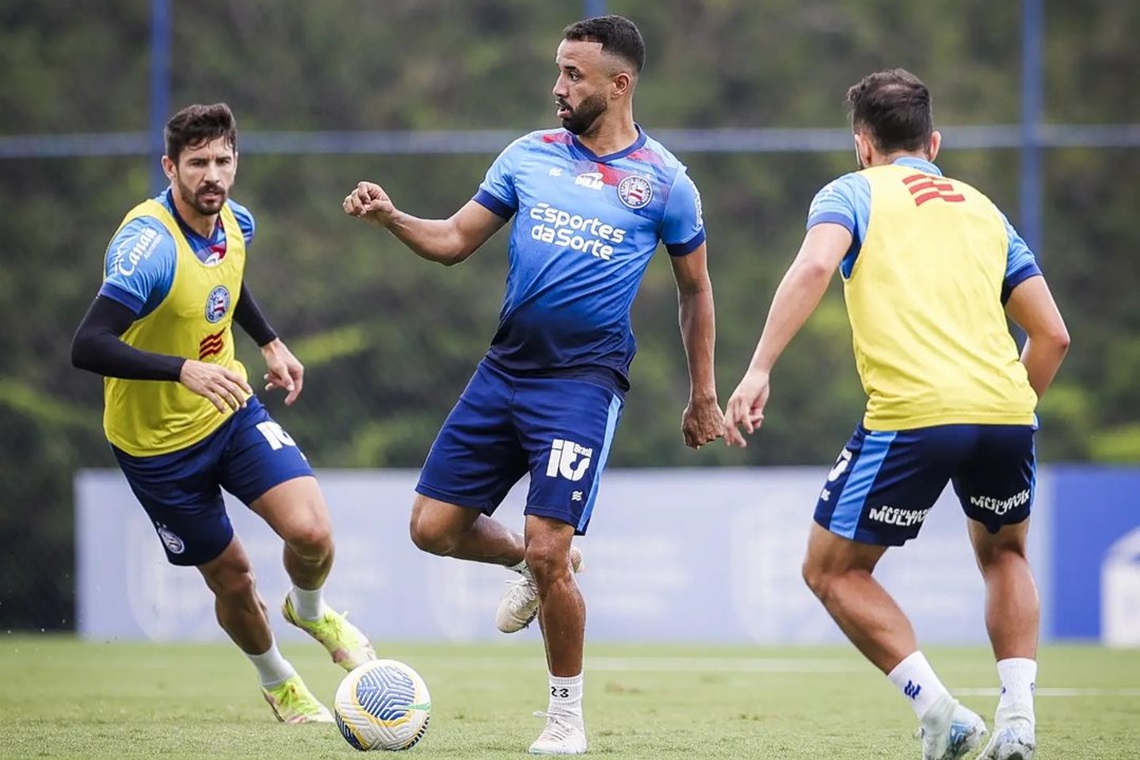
(275, 434)
(840, 466)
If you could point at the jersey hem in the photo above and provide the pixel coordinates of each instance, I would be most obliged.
(882, 425)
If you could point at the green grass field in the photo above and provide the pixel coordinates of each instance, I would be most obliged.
(62, 698)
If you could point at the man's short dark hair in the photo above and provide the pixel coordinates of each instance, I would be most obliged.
(198, 124)
(618, 35)
(894, 107)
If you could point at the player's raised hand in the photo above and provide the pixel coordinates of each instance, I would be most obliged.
(702, 422)
(369, 202)
(285, 371)
(222, 387)
(746, 408)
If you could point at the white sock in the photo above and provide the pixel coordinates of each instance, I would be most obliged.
(566, 698)
(272, 668)
(915, 679)
(522, 569)
(1018, 681)
(310, 604)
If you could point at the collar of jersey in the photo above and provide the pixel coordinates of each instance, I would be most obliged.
(197, 242)
(914, 162)
(638, 143)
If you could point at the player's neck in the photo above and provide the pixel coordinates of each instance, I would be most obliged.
(886, 159)
(203, 225)
(611, 136)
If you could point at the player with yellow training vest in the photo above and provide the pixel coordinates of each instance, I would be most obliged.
(182, 419)
(931, 269)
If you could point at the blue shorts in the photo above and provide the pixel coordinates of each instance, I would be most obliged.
(557, 429)
(181, 491)
(884, 483)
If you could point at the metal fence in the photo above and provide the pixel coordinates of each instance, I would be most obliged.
(36, 547)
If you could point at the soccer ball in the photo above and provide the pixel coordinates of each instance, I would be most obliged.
(382, 704)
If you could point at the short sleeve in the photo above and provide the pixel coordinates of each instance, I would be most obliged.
(1020, 263)
(139, 265)
(845, 201)
(497, 191)
(683, 229)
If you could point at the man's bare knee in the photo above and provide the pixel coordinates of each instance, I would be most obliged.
(548, 556)
(435, 529)
(313, 540)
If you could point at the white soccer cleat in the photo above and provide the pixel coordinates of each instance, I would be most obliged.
(1013, 741)
(561, 736)
(519, 605)
(950, 731)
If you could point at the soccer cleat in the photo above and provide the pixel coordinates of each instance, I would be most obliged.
(950, 731)
(1013, 741)
(344, 641)
(292, 702)
(519, 605)
(560, 736)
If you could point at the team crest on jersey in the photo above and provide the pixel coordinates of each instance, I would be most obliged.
(217, 304)
(635, 192)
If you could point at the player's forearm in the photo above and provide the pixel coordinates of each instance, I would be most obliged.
(1042, 358)
(432, 239)
(97, 347)
(698, 334)
(107, 355)
(796, 298)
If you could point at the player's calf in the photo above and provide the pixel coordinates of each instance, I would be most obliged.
(519, 605)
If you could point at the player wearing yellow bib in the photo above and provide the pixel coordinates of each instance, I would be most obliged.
(930, 269)
(182, 419)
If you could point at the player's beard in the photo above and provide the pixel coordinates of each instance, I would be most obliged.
(582, 119)
(204, 207)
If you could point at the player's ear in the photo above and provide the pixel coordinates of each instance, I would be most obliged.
(864, 149)
(935, 144)
(168, 168)
(622, 84)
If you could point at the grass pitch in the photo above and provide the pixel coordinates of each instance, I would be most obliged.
(63, 698)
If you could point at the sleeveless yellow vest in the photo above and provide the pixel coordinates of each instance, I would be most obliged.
(150, 417)
(931, 340)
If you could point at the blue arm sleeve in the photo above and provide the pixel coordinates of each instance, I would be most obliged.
(139, 266)
(497, 192)
(683, 228)
(847, 202)
(1020, 264)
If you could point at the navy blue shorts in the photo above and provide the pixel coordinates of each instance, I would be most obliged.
(181, 491)
(557, 429)
(884, 483)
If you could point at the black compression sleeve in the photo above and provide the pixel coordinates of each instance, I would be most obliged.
(97, 347)
(249, 315)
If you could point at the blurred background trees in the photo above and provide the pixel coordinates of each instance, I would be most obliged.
(389, 340)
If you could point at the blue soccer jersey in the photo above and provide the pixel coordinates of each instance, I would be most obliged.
(584, 231)
(139, 265)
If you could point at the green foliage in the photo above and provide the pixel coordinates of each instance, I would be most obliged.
(390, 340)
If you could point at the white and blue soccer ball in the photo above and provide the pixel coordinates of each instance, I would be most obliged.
(382, 704)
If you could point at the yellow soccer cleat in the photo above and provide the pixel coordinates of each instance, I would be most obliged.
(344, 641)
(293, 703)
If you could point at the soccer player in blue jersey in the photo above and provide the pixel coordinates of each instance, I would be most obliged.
(931, 269)
(590, 202)
(181, 417)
